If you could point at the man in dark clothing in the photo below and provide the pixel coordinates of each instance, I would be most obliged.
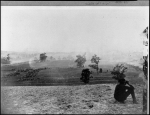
(122, 91)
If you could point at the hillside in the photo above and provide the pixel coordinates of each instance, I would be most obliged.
(58, 90)
(84, 99)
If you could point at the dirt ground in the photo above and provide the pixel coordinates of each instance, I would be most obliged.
(84, 99)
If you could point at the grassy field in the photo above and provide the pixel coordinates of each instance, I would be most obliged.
(59, 74)
(85, 99)
(58, 90)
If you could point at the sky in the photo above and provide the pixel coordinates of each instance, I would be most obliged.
(98, 29)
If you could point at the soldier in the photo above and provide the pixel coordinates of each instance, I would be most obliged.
(100, 70)
(122, 91)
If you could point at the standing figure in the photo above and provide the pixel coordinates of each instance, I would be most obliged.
(100, 70)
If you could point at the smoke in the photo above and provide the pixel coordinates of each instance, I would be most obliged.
(35, 64)
(31, 63)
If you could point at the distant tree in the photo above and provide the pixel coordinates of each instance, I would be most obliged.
(64, 58)
(118, 71)
(18, 57)
(8, 57)
(5, 60)
(69, 57)
(43, 57)
(51, 57)
(95, 59)
(80, 60)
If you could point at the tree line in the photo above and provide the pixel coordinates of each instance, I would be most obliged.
(94, 60)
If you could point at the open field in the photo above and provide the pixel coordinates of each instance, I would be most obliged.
(53, 75)
(59, 74)
(81, 99)
(59, 90)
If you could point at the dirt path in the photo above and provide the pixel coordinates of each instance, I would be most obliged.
(85, 99)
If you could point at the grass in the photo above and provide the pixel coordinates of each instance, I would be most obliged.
(87, 99)
(60, 74)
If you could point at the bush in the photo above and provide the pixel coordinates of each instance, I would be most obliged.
(118, 72)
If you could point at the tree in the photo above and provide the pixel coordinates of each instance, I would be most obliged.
(8, 57)
(118, 71)
(64, 58)
(5, 60)
(80, 60)
(50, 57)
(43, 57)
(69, 57)
(95, 59)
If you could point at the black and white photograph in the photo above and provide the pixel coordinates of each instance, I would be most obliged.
(74, 59)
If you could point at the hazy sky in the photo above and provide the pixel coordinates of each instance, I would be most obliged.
(67, 29)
